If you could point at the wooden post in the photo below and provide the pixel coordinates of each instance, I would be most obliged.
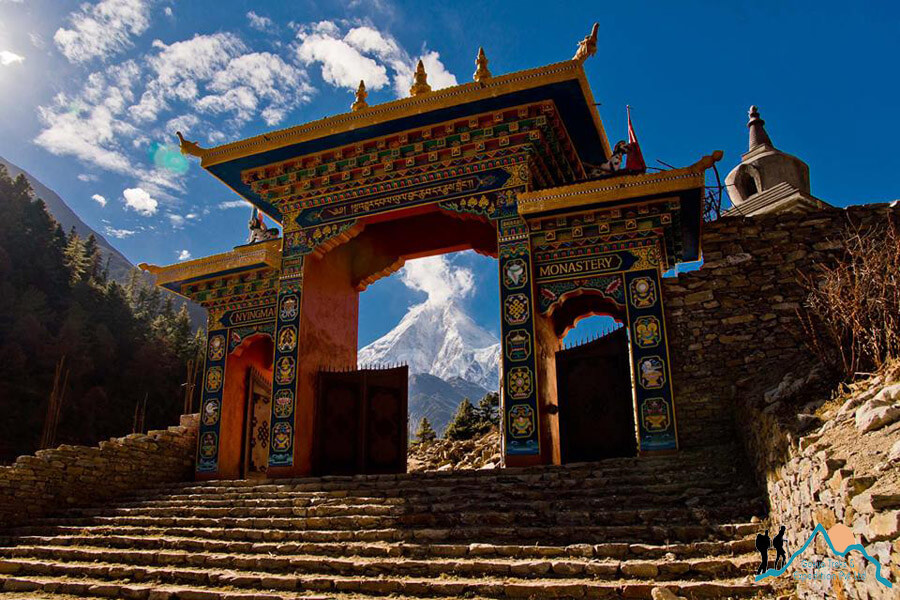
(54, 405)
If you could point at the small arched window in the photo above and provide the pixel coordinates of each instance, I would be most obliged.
(746, 185)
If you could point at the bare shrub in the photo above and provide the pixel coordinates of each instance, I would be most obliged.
(851, 317)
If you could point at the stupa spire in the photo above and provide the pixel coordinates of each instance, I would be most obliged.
(758, 135)
(361, 95)
(420, 81)
(481, 64)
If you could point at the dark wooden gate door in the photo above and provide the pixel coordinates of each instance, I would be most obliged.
(596, 413)
(361, 422)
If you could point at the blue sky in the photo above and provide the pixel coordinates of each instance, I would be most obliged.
(91, 93)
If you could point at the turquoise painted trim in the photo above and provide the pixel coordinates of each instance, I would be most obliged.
(820, 529)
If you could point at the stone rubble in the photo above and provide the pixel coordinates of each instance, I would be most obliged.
(482, 452)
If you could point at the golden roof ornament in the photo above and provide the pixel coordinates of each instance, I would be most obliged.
(361, 95)
(188, 147)
(481, 64)
(420, 81)
(588, 46)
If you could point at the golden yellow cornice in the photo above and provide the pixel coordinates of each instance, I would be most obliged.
(617, 188)
(405, 107)
(268, 253)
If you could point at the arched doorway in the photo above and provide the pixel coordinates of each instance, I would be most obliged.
(594, 383)
(246, 408)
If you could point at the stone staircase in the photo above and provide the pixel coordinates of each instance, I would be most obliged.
(612, 529)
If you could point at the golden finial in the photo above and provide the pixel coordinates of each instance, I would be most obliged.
(588, 46)
(420, 81)
(361, 95)
(481, 64)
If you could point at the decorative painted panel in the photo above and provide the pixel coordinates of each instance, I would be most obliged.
(211, 401)
(284, 379)
(519, 382)
(650, 361)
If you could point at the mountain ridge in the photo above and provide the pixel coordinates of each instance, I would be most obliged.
(120, 267)
(440, 339)
(450, 357)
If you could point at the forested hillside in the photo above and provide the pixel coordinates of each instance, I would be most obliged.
(119, 343)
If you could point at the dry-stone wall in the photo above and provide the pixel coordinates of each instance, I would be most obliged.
(844, 468)
(66, 476)
(734, 322)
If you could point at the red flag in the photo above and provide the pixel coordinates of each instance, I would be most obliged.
(635, 159)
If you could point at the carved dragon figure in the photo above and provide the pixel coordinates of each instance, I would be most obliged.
(588, 46)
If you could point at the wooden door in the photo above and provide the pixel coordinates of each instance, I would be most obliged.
(361, 422)
(596, 410)
(386, 420)
(256, 430)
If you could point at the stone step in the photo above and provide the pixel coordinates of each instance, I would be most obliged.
(63, 588)
(23, 570)
(650, 495)
(406, 550)
(518, 535)
(284, 519)
(709, 476)
(545, 509)
(697, 568)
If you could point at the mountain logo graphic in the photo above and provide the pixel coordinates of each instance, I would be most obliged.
(840, 540)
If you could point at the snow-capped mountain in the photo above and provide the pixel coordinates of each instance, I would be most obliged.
(439, 339)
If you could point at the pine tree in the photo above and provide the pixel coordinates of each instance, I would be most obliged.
(75, 257)
(425, 434)
(92, 258)
(488, 411)
(464, 425)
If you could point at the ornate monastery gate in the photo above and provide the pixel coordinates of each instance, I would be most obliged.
(504, 166)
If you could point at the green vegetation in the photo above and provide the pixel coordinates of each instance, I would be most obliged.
(119, 343)
(469, 421)
(425, 434)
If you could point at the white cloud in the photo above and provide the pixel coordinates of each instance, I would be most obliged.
(184, 255)
(37, 40)
(88, 125)
(438, 278)
(191, 216)
(102, 29)
(179, 66)
(182, 123)
(342, 64)
(176, 220)
(94, 126)
(140, 201)
(119, 233)
(255, 80)
(364, 53)
(99, 199)
(88, 177)
(10, 58)
(168, 11)
(233, 204)
(259, 22)
(217, 75)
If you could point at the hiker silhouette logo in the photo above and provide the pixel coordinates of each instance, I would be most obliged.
(763, 544)
(839, 540)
